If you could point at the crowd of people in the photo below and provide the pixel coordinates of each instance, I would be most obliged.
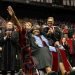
(32, 47)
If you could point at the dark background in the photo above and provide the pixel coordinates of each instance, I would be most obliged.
(38, 11)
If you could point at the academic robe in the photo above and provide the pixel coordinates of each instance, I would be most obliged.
(60, 56)
(10, 47)
(64, 59)
(24, 43)
(27, 61)
(55, 63)
(42, 54)
(54, 36)
(71, 44)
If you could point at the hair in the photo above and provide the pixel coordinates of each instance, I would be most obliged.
(36, 27)
(28, 23)
(62, 39)
(12, 23)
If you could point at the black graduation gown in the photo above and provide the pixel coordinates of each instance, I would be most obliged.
(56, 36)
(42, 54)
(10, 47)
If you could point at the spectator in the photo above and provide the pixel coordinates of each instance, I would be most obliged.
(10, 44)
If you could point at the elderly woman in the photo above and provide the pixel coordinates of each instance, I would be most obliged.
(40, 50)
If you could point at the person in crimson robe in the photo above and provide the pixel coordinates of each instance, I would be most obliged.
(71, 43)
(73, 56)
(64, 64)
(64, 43)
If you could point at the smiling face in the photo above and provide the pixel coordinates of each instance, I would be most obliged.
(36, 31)
(63, 40)
(9, 25)
(27, 25)
(50, 21)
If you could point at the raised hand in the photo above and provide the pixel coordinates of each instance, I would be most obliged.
(13, 16)
(10, 11)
